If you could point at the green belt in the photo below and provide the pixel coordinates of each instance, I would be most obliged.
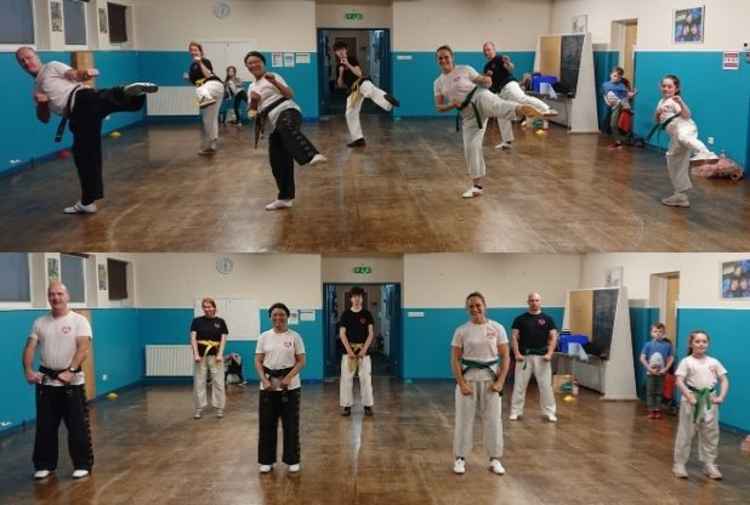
(660, 126)
(467, 101)
(534, 351)
(702, 401)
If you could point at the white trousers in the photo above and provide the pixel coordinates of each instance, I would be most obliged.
(489, 105)
(216, 369)
(513, 92)
(684, 135)
(490, 407)
(346, 384)
(210, 114)
(708, 435)
(541, 369)
(354, 106)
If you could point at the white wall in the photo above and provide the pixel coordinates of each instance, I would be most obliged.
(375, 14)
(700, 274)
(444, 280)
(725, 23)
(341, 269)
(175, 280)
(424, 25)
(276, 25)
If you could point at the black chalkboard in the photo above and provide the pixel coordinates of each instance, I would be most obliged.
(605, 307)
(570, 62)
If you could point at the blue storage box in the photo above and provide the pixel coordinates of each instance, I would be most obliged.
(566, 339)
(538, 79)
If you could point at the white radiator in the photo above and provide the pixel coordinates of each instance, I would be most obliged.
(172, 101)
(169, 360)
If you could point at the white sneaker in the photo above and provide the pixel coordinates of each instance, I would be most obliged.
(712, 472)
(497, 467)
(80, 473)
(472, 192)
(209, 151)
(552, 418)
(318, 158)
(459, 466)
(197, 414)
(205, 102)
(280, 204)
(294, 468)
(504, 146)
(679, 471)
(41, 474)
(220, 413)
(514, 417)
(676, 200)
(265, 468)
(139, 88)
(79, 208)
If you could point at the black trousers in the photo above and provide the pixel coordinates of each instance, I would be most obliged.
(275, 405)
(90, 108)
(66, 403)
(240, 97)
(286, 144)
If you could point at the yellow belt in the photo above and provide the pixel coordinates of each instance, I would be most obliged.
(354, 362)
(209, 344)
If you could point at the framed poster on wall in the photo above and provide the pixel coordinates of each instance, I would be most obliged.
(688, 25)
(55, 13)
(735, 279)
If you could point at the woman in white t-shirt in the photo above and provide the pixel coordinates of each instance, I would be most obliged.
(271, 101)
(697, 376)
(673, 113)
(462, 88)
(279, 357)
(480, 362)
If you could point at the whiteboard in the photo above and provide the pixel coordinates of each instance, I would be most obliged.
(225, 53)
(240, 314)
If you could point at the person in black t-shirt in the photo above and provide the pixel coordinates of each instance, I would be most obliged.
(208, 335)
(356, 331)
(210, 92)
(500, 69)
(534, 340)
(350, 77)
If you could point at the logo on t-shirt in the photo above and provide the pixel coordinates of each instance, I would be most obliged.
(66, 329)
(362, 320)
(217, 325)
(492, 333)
(287, 344)
(541, 322)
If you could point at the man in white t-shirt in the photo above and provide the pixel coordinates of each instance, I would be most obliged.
(60, 89)
(63, 338)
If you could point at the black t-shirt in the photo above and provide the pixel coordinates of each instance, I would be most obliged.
(500, 75)
(533, 330)
(209, 328)
(349, 77)
(196, 74)
(357, 325)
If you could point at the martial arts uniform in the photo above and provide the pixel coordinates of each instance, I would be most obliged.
(55, 400)
(85, 108)
(684, 140)
(507, 88)
(207, 88)
(479, 104)
(208, 332)
(280, 351)
(701, 376)
(479, 343)
(359, 89)
(533, 341)
(357, 326)
(286, 143)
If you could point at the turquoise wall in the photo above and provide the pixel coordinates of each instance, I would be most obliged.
(604, 61)
(641, 319)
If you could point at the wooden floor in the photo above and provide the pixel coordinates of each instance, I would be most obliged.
(554, 193)
(149, 451)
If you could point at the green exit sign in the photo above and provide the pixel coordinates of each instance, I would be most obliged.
(364, 270)
(354, 16)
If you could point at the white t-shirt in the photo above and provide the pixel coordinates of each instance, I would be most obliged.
(56, 338)
(455, 85)
(700, 373)
(269, 94)
(478, 342)
(280, 351)
(52, 82)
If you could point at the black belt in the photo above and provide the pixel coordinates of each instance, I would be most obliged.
(276, 373)
(52, 374)
(64, 121)
(260, 118)
(467, 101)
(660, 126)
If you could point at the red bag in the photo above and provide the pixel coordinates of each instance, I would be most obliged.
(669, 385)
(625, 121)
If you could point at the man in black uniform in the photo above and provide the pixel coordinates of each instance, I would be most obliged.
(534, 339)
(350, 77)
(356, 331)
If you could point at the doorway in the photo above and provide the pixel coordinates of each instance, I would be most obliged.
(384, 303)
(373, 50)
(624, 41)
(665, 294)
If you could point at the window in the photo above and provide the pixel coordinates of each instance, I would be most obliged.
(71, 270)
(74, 20)
(17, 22)
(118, 29)
(15, 284)
(117, 275)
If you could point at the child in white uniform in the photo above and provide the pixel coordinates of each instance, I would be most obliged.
(674, 114)
(697, 377)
